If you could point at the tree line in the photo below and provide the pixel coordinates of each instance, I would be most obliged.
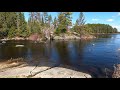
(101, 28)
(14, 24)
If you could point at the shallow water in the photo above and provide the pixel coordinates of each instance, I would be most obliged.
(89, 55)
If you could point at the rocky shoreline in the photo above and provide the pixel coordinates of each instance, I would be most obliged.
(17, 68)
(36, 37)
(73, 37)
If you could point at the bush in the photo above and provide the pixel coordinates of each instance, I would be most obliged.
(59, 31)
(63, 30)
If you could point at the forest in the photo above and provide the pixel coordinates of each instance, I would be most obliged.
(13, 24)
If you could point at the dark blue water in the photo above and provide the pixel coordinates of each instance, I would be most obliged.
(99, 53)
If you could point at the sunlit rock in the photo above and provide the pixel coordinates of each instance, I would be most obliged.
(19, 46)
(3, 42)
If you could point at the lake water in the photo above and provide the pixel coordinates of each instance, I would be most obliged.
(92, 56)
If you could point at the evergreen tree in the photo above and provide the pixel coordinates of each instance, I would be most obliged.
(80, 25)
(81, 19)
(34, 22)
(8, 23)
(49, 20)
(102, 28)
(45, 15)
(42, 22)
(64, 20)
(55, 23)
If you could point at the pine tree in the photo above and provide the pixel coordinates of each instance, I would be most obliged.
(49, 20)
(23, 25)
(35, 22)
(80, 24)
(61, 23)
(55, 23)
(42, 22)
(81, 19)
(45, 15)
(68, 19)
(38, 15)
(64, 20)
(8, 23)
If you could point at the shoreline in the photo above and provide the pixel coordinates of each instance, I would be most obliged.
(71, 37)
(57, 37)
(17, 68)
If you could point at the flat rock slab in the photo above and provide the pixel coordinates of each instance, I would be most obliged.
(43, 66)
(25, 71)
(17, 72)
(59, 72)
(41, 70)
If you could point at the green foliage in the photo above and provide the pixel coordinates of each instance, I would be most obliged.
(12, 32)
(35, 22)
(55, 22)
(13, 24)
(60, 30)
(81, 19)
(82, 30)
(102, 28)
(64, 20)
(80, 26)
(49, 20)
(57, 31)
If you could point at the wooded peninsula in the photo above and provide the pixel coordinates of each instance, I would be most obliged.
(41, 26)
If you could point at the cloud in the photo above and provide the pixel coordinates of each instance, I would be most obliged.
(116, 26)
(119, 14)
(94, 19)
(110, 20)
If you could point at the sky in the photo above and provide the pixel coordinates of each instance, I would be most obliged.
(111, 18)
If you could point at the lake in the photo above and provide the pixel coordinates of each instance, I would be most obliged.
(95, 56)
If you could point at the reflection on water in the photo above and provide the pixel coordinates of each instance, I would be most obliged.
(100, 52)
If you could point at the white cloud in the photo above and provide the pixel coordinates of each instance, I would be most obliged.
(110, 20)
(94, 19)
(119, 14)
(116, 26)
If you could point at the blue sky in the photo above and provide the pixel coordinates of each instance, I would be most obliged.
(111, 18)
